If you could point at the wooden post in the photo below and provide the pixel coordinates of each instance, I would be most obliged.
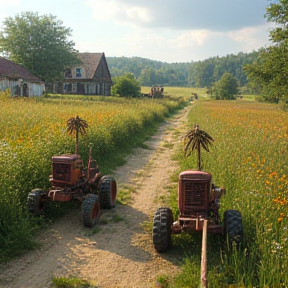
(204, 283)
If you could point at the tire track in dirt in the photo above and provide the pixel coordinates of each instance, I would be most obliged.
(110, 254)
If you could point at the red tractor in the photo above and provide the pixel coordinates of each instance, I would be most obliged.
(198, 200)
(70, 181)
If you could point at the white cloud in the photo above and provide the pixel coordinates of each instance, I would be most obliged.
(251, 38)
(220, 15)
(179, 46)
(119, 12)
(243, 34)
(164, 30)
(194, 38)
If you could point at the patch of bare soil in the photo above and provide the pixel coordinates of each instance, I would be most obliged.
(110, 254)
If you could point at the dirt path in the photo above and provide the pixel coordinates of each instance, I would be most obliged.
(110, 254)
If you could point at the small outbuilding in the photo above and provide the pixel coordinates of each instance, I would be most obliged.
(92, 77)
(19, 80)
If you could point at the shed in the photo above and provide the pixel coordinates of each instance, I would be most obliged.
(19, 80)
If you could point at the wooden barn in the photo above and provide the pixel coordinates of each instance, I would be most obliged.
(92, 77)
(19, 80)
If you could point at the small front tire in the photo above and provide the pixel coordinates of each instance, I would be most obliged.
(36, 201)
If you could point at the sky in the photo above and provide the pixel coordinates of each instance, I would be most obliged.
(163, 30)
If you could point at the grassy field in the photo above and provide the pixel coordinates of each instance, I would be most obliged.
(33, 130)
(249, 158)
(179, 91)
(186, 92)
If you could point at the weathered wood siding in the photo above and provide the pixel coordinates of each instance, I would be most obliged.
(21, 88)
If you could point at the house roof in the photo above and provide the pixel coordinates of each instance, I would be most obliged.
(90, 62)
(16, 71)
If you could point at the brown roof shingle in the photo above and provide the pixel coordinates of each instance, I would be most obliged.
(90, 62)
(16, 71)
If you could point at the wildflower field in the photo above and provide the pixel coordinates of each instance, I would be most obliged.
(33, 130)
(249, 158)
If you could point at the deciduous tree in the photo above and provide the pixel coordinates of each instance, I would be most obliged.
(270, 70)
(227, 87)
(40, 43)
(126, 86)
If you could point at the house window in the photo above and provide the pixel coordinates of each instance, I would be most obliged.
(78, 72)
(68, 73)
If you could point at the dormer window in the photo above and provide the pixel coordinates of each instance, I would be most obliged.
(78, 72)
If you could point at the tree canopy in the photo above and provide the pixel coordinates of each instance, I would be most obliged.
(40, 43)
(198, 74)
(227, 87)
(270, 70)
(126, 86)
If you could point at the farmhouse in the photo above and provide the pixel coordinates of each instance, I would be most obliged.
(92, 77)
(19, 80)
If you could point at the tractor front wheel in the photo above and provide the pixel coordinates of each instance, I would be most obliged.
(233, 228)
(162, 229)
(107, 192)
(36, 202)
(90, 210)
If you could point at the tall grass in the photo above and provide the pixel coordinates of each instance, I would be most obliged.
(33, 130)
(250, 159)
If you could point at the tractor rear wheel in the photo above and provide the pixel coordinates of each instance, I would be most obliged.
(233, 229)
(162, 229)
(90, 210)
(36, 202)
(107, 192)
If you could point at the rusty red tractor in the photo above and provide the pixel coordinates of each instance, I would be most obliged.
(71, 181)
(198, 200)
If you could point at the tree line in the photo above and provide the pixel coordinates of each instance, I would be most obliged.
(197, 74)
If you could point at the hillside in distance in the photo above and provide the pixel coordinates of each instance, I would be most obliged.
(199, 74)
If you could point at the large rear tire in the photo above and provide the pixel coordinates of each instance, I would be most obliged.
(233, 229)
(162, 229)
(107, 192)
(36, 202)
(90, 210)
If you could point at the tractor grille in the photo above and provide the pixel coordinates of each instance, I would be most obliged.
(61, 172)
(195, 195)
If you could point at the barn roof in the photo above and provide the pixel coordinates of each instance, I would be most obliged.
(90, 61)
(16, 71)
